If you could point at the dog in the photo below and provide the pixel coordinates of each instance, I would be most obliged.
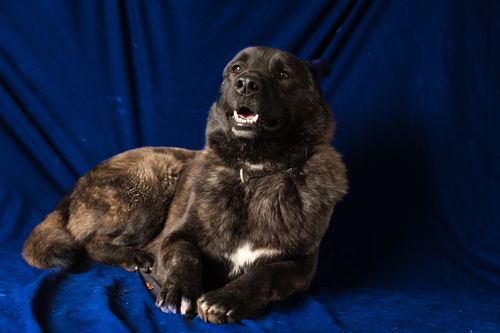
(225, 230)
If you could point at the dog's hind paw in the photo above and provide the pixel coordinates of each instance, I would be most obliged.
(136, 259)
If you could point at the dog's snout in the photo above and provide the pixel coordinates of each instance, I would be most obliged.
(247, 85)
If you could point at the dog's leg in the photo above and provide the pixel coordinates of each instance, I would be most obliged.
(251, 292)
(130, 258)
(181, 270)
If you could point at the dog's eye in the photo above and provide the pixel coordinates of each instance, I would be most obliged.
(284, 75)
(236, 69)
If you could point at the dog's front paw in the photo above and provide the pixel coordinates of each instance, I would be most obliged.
(176, 298)
(135, 259)
(221, 306)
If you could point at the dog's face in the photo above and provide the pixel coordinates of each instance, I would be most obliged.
(267, 93)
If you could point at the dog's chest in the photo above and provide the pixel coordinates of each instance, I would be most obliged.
(246, 255)
(240, 204)
(244, 221)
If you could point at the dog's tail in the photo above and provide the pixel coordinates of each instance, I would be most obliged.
(50, 244)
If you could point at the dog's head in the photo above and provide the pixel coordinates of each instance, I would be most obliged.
(268, 93)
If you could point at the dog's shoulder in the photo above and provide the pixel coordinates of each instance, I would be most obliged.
(326, 172)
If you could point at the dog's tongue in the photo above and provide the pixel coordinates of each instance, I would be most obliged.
(246, 116)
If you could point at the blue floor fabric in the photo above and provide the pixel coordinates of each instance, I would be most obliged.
(415, 90)
(110, 299)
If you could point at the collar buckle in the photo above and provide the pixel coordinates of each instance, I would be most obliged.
(242, 177)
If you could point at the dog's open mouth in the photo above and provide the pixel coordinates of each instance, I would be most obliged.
(245, 116)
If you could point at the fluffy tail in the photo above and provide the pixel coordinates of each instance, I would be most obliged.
(51, 245)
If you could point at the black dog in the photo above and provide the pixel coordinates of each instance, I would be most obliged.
(229, 228)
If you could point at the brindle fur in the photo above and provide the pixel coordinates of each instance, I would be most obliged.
(112, 211)
(192, 212)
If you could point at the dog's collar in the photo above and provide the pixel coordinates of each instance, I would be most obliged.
(246, 173)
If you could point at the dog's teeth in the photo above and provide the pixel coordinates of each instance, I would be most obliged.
(254, 118)
(243, 120)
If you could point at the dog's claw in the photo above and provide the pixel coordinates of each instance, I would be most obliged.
(186, 305)
(168, 309)
(172, 302)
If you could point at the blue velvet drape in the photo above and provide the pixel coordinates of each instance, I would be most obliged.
(415, 89)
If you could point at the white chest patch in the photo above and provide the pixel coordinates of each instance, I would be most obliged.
(245, 255)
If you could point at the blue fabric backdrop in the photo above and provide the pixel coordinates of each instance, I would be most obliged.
(415, 89)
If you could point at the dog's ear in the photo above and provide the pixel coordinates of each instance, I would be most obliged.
(319, 68)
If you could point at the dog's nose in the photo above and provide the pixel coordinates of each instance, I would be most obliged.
(247, 85)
